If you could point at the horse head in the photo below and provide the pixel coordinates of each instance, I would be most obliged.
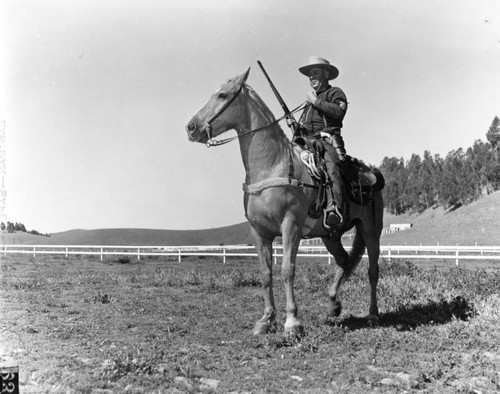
(218, 114)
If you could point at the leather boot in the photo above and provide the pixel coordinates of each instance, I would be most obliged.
(333, 212)
(332, 215)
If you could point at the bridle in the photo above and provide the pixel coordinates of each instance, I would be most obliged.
(208, 124)
(212, 142)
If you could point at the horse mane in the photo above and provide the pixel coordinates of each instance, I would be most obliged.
(276, 146)
(264, 110)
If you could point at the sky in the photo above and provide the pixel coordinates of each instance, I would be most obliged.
(95, 95)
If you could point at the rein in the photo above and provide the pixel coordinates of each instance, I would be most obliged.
(212, 142)
(266, 183)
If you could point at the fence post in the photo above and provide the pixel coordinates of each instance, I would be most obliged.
(224, 256)
(138, 254)
(329, 260)
(179, 255)
(102, 251)
(34, 249)
(456, 254)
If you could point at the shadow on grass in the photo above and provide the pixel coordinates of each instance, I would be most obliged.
(409, 317)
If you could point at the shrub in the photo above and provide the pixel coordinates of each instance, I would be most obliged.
(243, 279)
(124, 260)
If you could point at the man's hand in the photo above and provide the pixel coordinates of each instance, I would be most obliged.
(294, 125)
(312, 97)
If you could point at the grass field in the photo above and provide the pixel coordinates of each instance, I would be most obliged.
(80, 325)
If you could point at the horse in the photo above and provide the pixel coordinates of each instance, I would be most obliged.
(278, 192)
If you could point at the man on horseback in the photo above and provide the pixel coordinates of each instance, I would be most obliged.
(322, 119)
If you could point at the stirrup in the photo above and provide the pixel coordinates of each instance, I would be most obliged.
(334, 211)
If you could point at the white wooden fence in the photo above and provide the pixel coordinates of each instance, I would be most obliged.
(437, 252)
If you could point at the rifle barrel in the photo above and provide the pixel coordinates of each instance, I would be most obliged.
(276, 93)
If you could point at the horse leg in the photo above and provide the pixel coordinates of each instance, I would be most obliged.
(291, 241)
(334, 246)
(264, 248)
(373, 248)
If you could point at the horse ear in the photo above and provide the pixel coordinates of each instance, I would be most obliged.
(242, 78)
(238, 81)
(245, 76)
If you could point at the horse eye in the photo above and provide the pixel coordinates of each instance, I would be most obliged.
(223, 96)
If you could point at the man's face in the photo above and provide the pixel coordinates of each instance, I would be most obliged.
(317, 78)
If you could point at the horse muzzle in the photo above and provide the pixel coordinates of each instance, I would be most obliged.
(196, 134)
(191, 130)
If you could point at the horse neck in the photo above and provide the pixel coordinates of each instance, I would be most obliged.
(265, 153)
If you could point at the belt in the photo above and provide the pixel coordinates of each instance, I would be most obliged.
(329, 130)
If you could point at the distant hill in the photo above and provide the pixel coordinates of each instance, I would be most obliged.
(230, 235)
(476, 223)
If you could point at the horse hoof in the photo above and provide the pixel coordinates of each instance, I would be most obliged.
(296, 331)
(261, 328)
(373, 320)
(334, 309)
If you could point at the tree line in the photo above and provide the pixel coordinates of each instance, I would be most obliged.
(14, 227)
(457, 179)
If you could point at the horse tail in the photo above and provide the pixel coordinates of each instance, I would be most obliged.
(380, 184)
(357, 252)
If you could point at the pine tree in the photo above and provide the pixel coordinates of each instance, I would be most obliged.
(428, 174)
(481, 158)
(415, 183)
(395, 183)
(493, 135)
(449, 193)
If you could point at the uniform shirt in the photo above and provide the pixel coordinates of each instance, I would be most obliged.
(329, 111)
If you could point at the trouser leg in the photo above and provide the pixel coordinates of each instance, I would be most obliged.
(338, 145)
(335, 198)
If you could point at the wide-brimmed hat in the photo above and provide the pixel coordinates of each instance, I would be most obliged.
(319, 62)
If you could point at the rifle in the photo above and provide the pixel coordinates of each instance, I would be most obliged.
(288, 115)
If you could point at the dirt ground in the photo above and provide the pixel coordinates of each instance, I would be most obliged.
(80, 325)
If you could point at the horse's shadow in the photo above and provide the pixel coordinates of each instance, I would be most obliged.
(408, 318)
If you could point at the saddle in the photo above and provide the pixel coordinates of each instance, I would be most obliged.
(359, 180)
(312, 155)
